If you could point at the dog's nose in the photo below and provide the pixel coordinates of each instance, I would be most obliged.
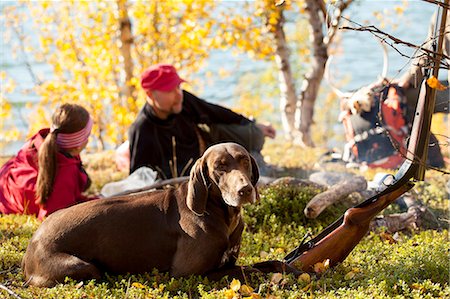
(245, 191)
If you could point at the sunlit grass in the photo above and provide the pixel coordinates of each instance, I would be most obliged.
(416, 266)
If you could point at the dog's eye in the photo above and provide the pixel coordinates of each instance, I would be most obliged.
(221, 167)
(245, 162)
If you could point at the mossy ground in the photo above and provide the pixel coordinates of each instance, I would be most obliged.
(416, 265)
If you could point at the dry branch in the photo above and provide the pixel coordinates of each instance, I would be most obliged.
(339, 191)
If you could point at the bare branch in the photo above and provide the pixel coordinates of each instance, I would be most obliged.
(21, 39)
(11, 293)
(439, 3)
(333, 25)
(395, 41)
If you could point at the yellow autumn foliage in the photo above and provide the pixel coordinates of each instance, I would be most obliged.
(81, 42)
(434, 83)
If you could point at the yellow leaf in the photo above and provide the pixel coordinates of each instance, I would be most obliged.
(273, 20)
(387, 237)
(279, 250)
(230, 294)
(308, 286)
(134, 81)
(417, 286)
(246, 290)
(349, 275)
(305, 277)
(235, 285)
(434, 83)
(399, 10)
(319, 267)
(137, 285)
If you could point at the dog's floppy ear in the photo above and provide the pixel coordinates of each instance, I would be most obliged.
(198, 188)
(255, 171)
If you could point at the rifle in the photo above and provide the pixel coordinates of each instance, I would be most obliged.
(337, 240)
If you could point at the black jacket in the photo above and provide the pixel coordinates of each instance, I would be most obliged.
(151, 138)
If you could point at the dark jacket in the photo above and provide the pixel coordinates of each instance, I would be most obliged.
(155, 142)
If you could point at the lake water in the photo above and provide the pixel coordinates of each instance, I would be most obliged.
(359, 63)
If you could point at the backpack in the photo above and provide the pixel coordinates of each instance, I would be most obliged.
(378, 137)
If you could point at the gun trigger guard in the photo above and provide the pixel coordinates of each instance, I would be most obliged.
(387, 184)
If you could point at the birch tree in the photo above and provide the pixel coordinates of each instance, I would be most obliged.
(324, 21)
(263, 36)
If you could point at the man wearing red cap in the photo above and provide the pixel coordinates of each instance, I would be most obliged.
(169, 131)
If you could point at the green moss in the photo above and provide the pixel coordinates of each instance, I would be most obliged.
(414, 267)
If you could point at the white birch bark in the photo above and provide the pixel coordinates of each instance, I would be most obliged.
(288, 96)
(320, 40)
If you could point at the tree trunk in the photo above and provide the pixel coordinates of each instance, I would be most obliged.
(126, 38)
(288, 97)
(311, 83)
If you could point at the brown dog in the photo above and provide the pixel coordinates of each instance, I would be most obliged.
(195, 229)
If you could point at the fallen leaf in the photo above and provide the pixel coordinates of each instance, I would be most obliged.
(305, 277)
(279, 250)
(235, 285)
(137, 285)
(319, 267)
(245, 290)
(276, 278)
(417, 286)
(349, 275)
(387, 237)
(230, 294)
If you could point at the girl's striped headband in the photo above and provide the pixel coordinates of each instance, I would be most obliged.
(73, 140)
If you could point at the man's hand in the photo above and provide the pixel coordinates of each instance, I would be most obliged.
(267, 130)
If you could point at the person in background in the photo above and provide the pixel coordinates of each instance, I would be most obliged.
(47, 174)
(174, 127)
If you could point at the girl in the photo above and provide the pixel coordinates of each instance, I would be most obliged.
(47, 174)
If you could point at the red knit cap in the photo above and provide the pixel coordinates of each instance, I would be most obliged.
(161, 77)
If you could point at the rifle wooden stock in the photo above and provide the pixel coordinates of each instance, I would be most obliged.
(340, 242)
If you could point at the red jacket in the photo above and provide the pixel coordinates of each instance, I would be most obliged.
(19, 175)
